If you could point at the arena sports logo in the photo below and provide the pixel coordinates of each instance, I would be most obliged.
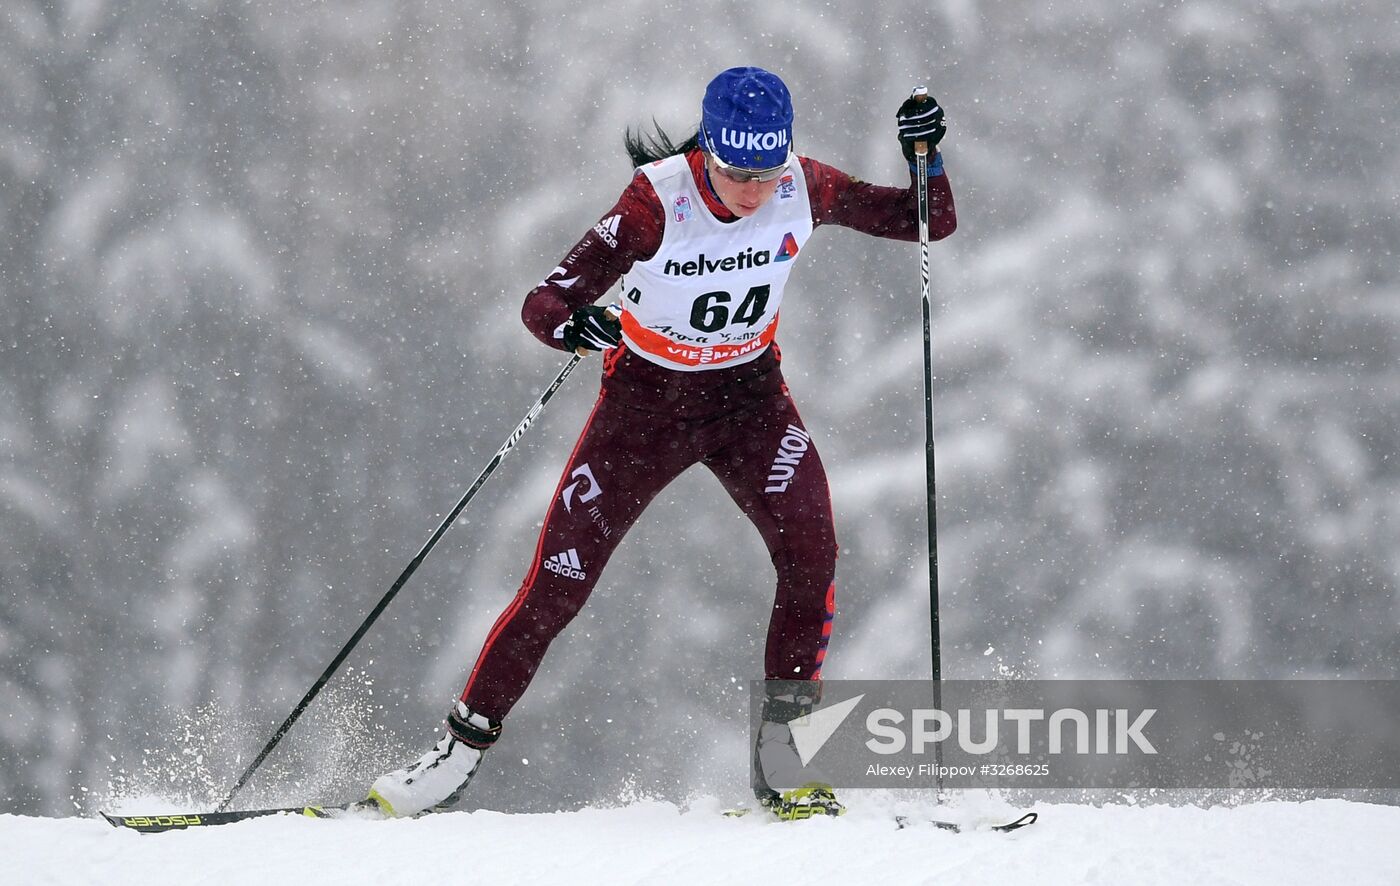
(788, 250)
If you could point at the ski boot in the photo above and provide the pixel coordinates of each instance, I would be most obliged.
(775, 757)
(812, 800)
(436, 780)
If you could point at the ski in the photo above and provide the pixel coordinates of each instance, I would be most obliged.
(177, 821)
(155, 824)
(906, 821)
(909, 821)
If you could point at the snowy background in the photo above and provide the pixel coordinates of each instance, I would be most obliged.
(261, 266)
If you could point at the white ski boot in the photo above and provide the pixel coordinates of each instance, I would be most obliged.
(436, 779)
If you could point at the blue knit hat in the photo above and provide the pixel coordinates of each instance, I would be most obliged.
(746, 118)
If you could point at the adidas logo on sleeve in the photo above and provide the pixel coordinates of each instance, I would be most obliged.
(607, 229)
(566, 565)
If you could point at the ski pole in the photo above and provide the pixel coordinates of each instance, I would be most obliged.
(920, 94)
(403, 578)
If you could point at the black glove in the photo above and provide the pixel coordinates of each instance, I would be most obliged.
(920, 120)
(592, 328)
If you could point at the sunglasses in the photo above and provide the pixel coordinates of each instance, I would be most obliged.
(743, 175)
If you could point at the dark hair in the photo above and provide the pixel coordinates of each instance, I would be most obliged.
(644, 149)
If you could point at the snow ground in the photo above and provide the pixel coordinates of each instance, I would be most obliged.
(1276, 843)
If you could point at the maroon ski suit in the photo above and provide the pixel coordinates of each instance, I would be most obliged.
(651, 423)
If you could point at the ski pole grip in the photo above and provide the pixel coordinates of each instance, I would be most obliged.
(920, 95)
(614, 311)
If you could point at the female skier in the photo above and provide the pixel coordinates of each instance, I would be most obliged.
(702, 240)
